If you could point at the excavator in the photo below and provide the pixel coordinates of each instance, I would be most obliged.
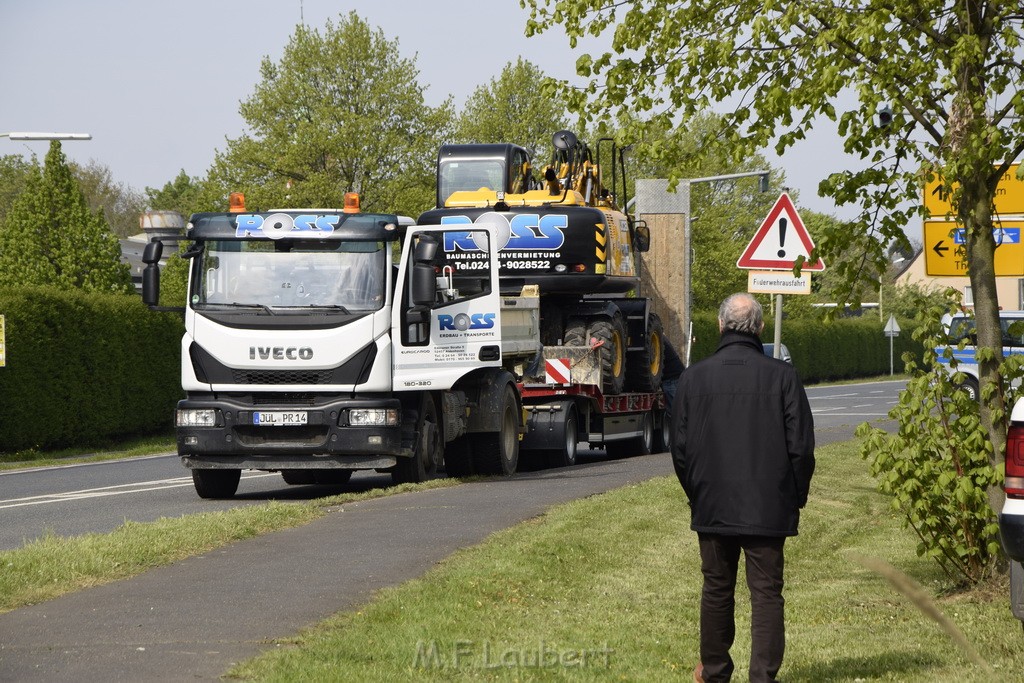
(565, 232)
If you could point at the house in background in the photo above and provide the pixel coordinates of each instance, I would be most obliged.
(1009, 289)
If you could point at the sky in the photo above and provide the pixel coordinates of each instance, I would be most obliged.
(158, 83)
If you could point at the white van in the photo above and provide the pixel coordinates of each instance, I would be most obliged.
(960, 327)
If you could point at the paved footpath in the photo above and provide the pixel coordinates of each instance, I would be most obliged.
(193, 619)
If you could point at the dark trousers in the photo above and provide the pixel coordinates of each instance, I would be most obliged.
(720, 557)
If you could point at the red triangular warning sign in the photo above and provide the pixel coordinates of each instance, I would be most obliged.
(780, 241)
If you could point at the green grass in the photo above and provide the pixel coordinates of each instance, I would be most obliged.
(607, 589)
(53, 565)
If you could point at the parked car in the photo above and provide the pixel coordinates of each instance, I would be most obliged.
(769, 350)
(960, 329)
(1011, 518)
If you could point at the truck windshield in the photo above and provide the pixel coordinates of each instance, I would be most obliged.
(347, 275)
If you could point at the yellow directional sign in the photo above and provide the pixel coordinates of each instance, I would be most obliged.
(944, 249)
(1009, 197)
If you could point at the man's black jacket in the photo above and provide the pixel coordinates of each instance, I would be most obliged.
(743, 441)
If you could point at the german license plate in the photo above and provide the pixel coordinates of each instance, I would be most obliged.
(280, 418)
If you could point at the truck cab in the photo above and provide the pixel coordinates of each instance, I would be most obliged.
(312, 348)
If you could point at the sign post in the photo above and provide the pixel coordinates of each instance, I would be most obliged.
(781, 240)
(892, 330)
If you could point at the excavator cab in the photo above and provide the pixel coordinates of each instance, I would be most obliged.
(491, 168)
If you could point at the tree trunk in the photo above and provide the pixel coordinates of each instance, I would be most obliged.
(976, 212)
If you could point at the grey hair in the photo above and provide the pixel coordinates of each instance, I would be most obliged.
(741, 312)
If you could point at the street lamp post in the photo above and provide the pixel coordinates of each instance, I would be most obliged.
(46, 136)
(685, 185)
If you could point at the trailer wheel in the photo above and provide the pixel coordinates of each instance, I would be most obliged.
(566, 455)
(662, 432)
(216, 483)
(427, 449)
(644, 368)
(641, 445)
(498, 452)
(611, 331)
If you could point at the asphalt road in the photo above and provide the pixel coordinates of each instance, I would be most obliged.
(98, 497)
(193, 619)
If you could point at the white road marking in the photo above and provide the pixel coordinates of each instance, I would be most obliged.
(106, 491)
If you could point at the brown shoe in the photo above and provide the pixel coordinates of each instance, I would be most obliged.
(698, 673)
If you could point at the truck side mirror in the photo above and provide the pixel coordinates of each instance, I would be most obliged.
(151, 284)
(423, 288)
(151, 273)
(153, 252)
(642, 238)
(423, 285)
(425, 250)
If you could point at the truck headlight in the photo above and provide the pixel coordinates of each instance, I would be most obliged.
(366, 417)
(192, 417)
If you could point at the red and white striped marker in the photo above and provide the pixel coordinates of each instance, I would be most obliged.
(556, 371)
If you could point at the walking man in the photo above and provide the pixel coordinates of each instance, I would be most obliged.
(743, 448)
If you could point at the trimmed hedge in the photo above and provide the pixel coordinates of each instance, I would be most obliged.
(84, 367)
(841, 349)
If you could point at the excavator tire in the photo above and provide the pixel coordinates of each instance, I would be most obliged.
(612, 352)
(644, 368)
(575, 332)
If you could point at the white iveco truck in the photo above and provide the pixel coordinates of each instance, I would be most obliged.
(310, 349)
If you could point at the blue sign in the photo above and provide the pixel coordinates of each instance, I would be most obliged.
(1001, 236)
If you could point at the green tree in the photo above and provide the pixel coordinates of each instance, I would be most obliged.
(513, 108)
(51, 237)
(186, 195)
(341, 112)
(14, 174)
(947, 70)
(120, 203)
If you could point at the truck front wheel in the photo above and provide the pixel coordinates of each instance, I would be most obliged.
(216, 483)
(428, 446)
(498, 452)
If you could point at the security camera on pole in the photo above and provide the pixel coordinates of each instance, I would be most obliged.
(776, 247)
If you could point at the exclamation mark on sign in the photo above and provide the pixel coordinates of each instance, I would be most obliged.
(782, 237)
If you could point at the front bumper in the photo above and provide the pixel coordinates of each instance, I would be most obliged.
(325, 440)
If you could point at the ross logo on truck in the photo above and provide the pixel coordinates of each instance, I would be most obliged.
(278, 225)
(464, 321)
(523, 232)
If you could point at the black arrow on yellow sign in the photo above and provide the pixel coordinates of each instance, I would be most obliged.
(939, 249)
